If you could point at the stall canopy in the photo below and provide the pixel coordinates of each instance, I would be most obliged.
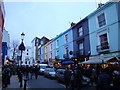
(97, 61)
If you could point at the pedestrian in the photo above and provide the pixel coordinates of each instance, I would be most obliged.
(72, 81)
(4, 77)
(67, 77)
(78, 78)
(20, 77)
(93, 77)
(36, 70)
(104, 81)
(31, 71)
(116, 80)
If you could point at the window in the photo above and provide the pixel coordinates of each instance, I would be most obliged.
(51, 47)
(66, 38)
(41, 42)
(104, 41)
(80, 31)
(57, 52)
(51, 54)
(66, 50)
(81, 48)
(57, 43)
(101, 20)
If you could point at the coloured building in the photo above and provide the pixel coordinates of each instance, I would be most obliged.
(81, 42)
(2, 14)
(104, 31)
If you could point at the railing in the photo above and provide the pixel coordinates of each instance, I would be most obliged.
(102, 47)
(57, 57)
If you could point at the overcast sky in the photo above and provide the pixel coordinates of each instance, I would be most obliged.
(37, 19)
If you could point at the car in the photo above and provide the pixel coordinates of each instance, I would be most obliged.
(60, 75)
(42, 68)
(49, 72)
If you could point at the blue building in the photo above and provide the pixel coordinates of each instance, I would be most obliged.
(104, 31)
(63, 44)
(4, 51)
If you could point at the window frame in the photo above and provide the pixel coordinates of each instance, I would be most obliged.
(98, 21)
(102, 32)
(80, 31)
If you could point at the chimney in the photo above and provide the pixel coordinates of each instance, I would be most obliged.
(100, 4)
(72, 24)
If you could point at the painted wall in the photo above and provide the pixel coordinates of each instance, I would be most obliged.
(85, 38)
(62, 43)
(118, 9)
(112, 25)
(4, 51)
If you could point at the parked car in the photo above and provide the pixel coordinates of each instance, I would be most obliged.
(49, 72)
(42, 68)
(60, 75)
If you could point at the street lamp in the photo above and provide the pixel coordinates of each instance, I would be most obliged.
(21, 46)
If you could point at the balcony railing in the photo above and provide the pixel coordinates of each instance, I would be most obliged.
(57, 57)
(103, 47)
(65, 56)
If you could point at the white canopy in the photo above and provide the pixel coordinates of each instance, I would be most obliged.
(96, 61)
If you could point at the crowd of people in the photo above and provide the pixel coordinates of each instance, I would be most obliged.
(103, 78)
(23, 73)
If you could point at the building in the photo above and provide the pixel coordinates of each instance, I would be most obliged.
(5, 45)
(104, 31)
(35, 43)
(41, 50)
(27, 57)
(50, 52)
(81, 42)
(2, 15)
(63, 44)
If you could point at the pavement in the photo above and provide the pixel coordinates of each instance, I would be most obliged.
(14, 83)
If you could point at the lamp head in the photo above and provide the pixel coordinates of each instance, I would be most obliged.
(22, 36)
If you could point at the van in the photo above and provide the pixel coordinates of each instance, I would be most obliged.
(42, 68)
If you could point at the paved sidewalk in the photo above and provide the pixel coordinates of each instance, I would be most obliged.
(14, 83)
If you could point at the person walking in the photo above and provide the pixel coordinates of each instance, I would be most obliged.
(67, 77)
(116, 80)
(20, 76)
(78, 78)
(36, 70)
(104, 81)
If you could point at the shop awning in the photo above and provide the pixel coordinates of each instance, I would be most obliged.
(97, 61)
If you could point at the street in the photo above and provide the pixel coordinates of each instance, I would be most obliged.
(43, 82)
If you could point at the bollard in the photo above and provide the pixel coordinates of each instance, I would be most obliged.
(25, 81)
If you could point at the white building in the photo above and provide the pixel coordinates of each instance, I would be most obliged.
(6, 38)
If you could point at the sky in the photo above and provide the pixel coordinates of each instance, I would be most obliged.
(37, 19)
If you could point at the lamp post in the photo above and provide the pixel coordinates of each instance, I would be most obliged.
(21, 46)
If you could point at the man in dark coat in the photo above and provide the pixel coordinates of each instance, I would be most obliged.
(104, 81)
(78, 77)
(67, 77)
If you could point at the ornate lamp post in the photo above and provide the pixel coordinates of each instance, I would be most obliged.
(21, 46)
